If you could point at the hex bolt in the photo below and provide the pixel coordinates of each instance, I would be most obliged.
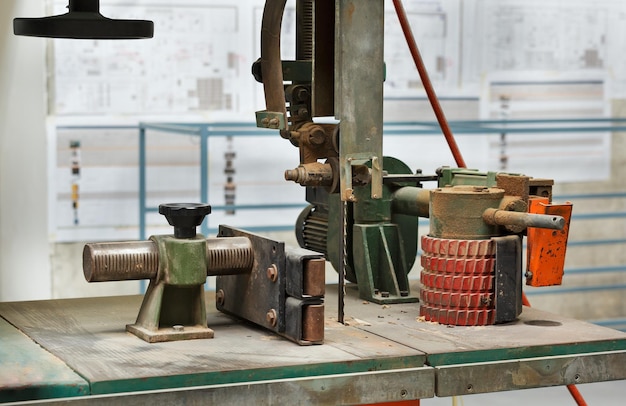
(404, 293)
(219, 297)
(178, 328)
(274, 123)
(317, 136)
(271, 317)
(302, 94)
(272, 273)
(384, 294)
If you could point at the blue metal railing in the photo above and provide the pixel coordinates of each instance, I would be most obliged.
(203, 131)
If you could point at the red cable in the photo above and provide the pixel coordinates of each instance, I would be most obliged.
(573, 390)
(430, 91)
(445, 128)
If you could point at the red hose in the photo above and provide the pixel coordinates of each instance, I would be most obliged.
(430, 91)
(573, 390)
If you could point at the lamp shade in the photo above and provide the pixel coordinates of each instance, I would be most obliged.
(83, 21)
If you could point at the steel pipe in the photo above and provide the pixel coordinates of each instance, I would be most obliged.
(120, 261)
(135, 260)
(411, 200)
(514, 218)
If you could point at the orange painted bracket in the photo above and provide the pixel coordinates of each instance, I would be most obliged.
(546, 248)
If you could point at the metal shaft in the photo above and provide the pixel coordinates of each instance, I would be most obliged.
(134, 260)
(411, 200)
(514, 218)
(120, 261)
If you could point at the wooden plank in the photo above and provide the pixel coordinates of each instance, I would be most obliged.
(535, 334)
(28, 372)
(89, 335)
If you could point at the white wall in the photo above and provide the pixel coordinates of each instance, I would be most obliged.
(24, 246)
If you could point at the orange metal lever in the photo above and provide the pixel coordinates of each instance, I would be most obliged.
(546, 248)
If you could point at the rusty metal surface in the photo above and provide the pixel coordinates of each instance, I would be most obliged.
(28, 371)
(252, 295)
(457, 281)
(458, 248)
(229, 256)
(536, 333)
(271, 66)
(524, 220)
(323, 85)
(457, 212)
(530, 373)
(88, 335)
(359, 91)
(313, 323)
(546, 248)
(120, 261)
(456, 316)
(339, 389)
(133, 260)
(314, 277)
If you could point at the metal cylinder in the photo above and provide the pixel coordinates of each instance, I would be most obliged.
(506, 218)
(457, 212)
(120, 261)
(229, 256)
(411, 200)
(134, 260)
(311, 174)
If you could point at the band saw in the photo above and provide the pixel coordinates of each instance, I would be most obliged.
(362, 217)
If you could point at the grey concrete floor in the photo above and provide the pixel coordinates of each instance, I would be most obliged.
(611, 393)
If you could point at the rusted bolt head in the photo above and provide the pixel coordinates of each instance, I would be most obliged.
(265, 121)
(271, 317)
(274, 123)
(302, 94)
(317, 136)
(219, 297)
(272, 273)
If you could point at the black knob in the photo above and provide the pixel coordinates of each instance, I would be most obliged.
(83, 21)
(185, 217)
(257, 71)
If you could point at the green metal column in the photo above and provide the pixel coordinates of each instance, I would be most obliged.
(359, 90)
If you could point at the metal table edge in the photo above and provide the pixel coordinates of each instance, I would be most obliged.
(534, 351)
(516, 374)
(250, 376)
(343, 388)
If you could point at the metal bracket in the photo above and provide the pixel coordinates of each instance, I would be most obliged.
(346, 164)
(508, 280)
(271, 119)
(274, 294)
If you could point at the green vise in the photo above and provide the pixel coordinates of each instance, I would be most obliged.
(257, 279)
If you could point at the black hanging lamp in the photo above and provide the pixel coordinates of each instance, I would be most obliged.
(83, 21)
